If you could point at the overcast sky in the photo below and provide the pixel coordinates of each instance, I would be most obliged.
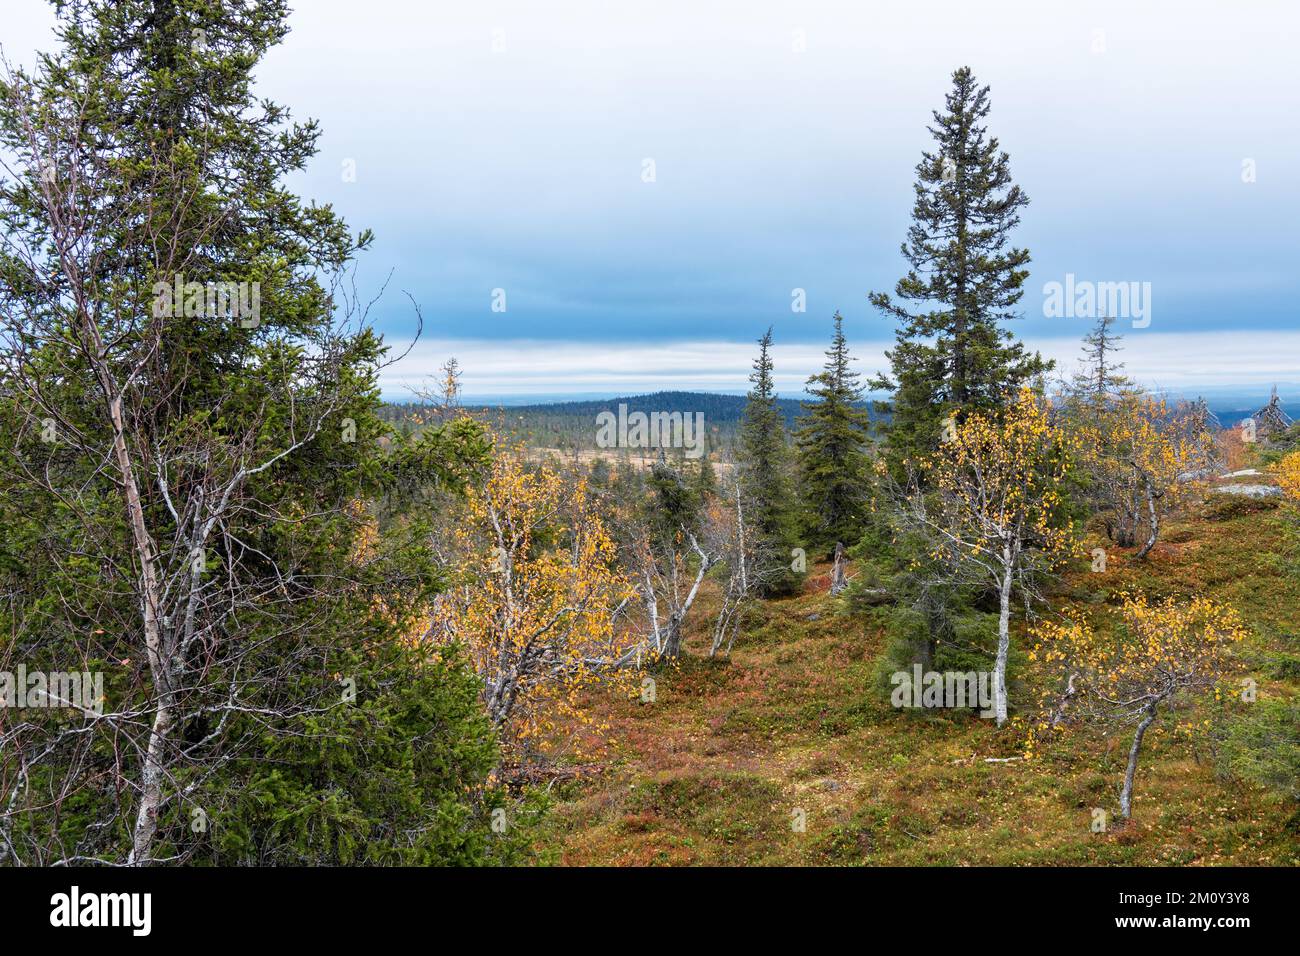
(504, 146)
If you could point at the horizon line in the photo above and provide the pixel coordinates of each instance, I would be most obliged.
(536, 370)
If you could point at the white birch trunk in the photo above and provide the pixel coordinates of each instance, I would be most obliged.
(1004, 639)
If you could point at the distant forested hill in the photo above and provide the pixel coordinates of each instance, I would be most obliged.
(717, 409)
(573, 424)
(570, 424)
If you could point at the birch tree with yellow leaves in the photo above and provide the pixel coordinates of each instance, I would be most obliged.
(989, 502)
(1161, 652)
(1288, 475)
(1134, 448)
(539, 602)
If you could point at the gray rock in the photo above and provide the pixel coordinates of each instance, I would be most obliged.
(873, 597)
(1251, 491)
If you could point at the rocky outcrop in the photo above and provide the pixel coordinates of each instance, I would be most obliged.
(1250, 491)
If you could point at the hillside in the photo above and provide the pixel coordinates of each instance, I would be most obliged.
(714, 769)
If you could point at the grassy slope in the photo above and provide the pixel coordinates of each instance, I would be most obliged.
(712, 772)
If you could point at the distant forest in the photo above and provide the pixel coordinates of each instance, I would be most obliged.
(570, 425)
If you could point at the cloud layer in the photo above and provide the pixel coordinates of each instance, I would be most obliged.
(522, 367)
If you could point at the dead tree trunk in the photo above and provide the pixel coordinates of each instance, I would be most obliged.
(838, 579)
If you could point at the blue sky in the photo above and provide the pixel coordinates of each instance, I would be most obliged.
(501, 145)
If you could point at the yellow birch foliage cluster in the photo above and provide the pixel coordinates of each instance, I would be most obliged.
(999, 477)
(1135, 445)
(1162, 648)
(535, 608)
(1288, 475)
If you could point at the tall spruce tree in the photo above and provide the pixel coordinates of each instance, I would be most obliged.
(191, 481)
(831, 440)
(764, 462)
(956, 356)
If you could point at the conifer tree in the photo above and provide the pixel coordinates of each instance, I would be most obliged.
(964, 277)
(764, 473)
(1100, 378)
(831, 440)
(706, 478)
(198, 525)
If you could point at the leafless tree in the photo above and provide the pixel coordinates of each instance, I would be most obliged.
(749, 571)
